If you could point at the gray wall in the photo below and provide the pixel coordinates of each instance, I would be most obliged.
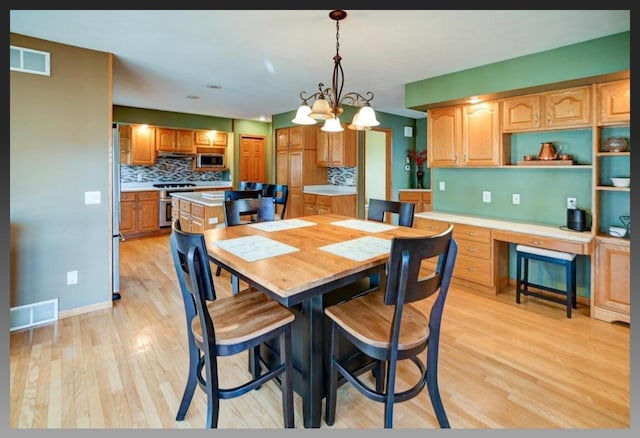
(60, 136)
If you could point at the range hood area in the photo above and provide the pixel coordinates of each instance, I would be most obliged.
(179, 155)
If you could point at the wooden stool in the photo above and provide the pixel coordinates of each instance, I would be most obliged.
(525, 253)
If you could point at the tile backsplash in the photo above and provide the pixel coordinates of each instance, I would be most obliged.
(169, 169)
(342, 176)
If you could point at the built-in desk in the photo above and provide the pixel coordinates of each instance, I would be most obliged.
(483, 254)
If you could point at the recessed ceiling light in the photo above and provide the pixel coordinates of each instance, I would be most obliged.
(193, 97)
(214, 87)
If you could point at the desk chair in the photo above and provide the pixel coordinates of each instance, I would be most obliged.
(226, 326)
(404, 210)
(279, 193)
(387, 329)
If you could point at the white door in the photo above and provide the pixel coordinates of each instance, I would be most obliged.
(375, 167)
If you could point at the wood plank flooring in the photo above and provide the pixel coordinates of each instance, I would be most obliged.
(502, 365)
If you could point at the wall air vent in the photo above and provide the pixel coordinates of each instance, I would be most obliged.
(29, 61)
(34, 314)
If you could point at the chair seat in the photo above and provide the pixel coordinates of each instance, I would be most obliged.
(368, 319)
(257, 313)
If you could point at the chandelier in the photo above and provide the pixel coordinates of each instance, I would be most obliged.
(327, 104)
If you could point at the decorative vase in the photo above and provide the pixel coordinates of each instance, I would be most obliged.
(419, 175)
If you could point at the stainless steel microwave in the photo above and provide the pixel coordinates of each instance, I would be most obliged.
(210, 161)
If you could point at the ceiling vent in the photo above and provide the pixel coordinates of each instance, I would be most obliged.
(29, 61)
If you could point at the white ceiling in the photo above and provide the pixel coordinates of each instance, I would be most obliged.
(263, 59)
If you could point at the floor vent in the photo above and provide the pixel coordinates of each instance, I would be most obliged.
(34, 314)
(29, 61)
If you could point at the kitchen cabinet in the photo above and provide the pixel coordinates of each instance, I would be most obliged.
(614, 102)
(479, 264)
(139, 212)
(124, 142)
(612, 292)
(337, 149)
(421, 198)
(174, 140)
(210, 139)
(467, 135)
(297, 164)
(195, 217)
(559, 109)
(142, 145)
(323, 204)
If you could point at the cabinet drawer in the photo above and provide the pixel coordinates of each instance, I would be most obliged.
(197, 210)
(309, 198)
(473, 269)
(431, 225)
(185, 206)
(426, 197)
(127, 196)
(148, 196)
(410, 196)
(543, 242)
(472, 233)
(324, 201)
(474, 249)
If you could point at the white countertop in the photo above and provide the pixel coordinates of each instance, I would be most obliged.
(144, 186)
(414, 190)
(330, 190)
(518, 227)
(201, 197)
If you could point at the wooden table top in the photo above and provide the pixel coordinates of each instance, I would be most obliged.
(288, 275)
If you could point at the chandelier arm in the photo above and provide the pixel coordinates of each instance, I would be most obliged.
(356, 99)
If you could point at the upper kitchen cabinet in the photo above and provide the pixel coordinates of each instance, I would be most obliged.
(467, 135)
(210, 139)
(174, 140)
(337, 149)
(142, 146)
(614, 102)
(561, 109)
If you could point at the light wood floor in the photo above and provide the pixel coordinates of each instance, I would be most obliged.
(502, 365)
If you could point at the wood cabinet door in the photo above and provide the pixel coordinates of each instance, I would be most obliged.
(444, 136)
(184, 141)
(614, 102)
(613, 291)
(148, 214)
(165, 139)
(568, 108)
(143, 145)
(282, 167)
(481, 134)
(282, 139)
(336, 149)
(521, 113)
(253, 161)
(323, 147)
(128, 216)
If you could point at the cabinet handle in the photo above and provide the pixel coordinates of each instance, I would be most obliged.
(549, 118)
(472, 249)
(535, 242)
(536, 119)
(464, 158)
(471, 233)
(471, 268)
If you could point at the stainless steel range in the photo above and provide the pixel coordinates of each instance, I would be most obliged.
(165, 199)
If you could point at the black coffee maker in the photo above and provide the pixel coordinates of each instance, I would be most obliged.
(576, 219)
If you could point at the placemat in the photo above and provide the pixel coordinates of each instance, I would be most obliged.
(252, 248)
(285, 224)
(359, 249)
(369, 226)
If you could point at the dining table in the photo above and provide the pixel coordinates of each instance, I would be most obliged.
(307, 264)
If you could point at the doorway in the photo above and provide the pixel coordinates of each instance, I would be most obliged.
(376, 165)
(253, 159)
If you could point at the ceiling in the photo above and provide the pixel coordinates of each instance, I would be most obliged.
(263, 59)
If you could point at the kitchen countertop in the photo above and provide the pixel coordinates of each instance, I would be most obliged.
(414, 190)
(518, 227)
(330, 190)
(148, 186)
(201, 197)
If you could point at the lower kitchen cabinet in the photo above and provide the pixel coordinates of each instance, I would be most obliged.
(322, 204)
(139, 212)
(612, 291)
(195, 217)
(422, 198)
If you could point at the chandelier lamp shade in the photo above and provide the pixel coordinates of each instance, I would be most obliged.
(327, 102)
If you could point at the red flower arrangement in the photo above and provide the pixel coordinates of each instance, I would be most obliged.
(417, 157)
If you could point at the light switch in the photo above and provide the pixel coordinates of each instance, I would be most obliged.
(515, 198)
(442, 186)
(92, 197)
(486, 197)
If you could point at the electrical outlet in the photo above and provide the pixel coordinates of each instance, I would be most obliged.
(486, 197)
(139, 177)
(92, 197)
(572, 203)
(72, 277)
(515, 199)
(442, 186)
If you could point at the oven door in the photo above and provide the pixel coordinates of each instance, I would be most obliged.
(165, 212)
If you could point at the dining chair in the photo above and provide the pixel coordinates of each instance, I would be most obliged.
(225, 326)
(387, 328)
(249, 185)
(280, 194)
(404, 210)
(232, 195)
